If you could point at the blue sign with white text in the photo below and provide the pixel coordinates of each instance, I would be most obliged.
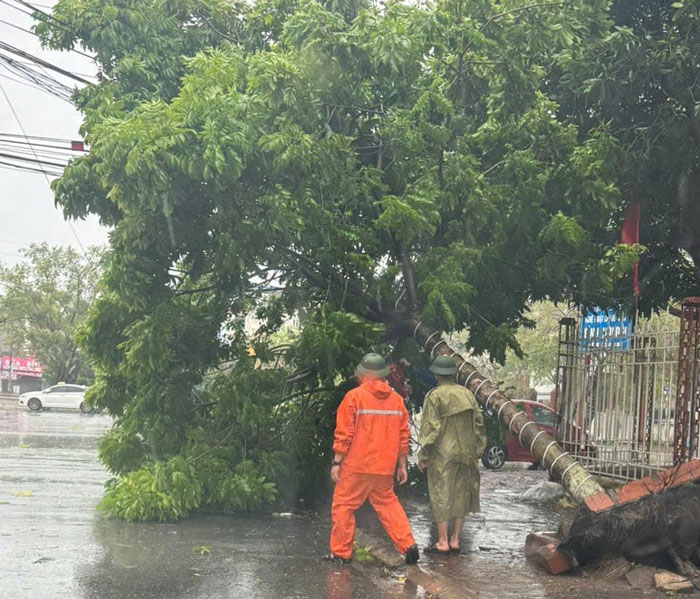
(605, 329)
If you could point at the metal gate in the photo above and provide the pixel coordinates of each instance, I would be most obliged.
(622, 409)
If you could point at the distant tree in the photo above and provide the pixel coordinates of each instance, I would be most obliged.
(535, 363)
(43, 301)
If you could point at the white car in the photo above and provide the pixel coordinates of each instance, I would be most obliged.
(58, 396)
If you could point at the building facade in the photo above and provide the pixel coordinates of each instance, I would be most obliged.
(18, 373)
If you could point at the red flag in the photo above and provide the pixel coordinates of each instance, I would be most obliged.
(629, 235)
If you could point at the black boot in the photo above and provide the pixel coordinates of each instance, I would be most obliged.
(411, 555)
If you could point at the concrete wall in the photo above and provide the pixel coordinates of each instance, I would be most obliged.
(23, 384)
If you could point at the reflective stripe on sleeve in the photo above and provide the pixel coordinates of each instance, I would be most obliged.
(381, 412)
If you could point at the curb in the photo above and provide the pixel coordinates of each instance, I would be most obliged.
(434, 585)
(7, 403)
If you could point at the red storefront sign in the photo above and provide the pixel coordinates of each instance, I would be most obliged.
(12, 367)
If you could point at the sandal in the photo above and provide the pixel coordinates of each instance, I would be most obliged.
(456, 549)
(435, 551)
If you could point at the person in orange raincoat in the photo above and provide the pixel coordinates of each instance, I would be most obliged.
(371, 444)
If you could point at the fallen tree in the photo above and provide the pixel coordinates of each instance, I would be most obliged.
(655, 520)
(544, 448)
(660, 528)
(350, 164)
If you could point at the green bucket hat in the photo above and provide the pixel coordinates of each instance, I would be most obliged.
(444, 365)
(372, 365)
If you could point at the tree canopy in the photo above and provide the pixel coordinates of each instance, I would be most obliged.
(373, 162)
(43, 302)
(641, 78)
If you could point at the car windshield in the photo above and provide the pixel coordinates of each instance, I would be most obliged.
(544, 416)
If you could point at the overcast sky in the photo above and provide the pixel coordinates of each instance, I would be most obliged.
(27, 210)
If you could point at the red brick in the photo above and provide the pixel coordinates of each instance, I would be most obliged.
(553, 560)
(673, 477)
(638, 489)
(543, 548)
(682, 474)
(599, 502)
(536, 540)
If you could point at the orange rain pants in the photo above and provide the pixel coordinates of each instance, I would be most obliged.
(350, 493)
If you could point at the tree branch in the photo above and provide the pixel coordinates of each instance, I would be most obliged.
(221, 33)
(409, 280)
(198, 290)
(213, 447)
(517, 10)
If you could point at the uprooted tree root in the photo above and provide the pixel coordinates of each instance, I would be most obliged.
(660, 529)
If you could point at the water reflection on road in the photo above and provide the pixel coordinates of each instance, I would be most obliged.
(492, 562)
(54, 544)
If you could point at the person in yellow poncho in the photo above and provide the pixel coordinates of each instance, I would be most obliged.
(452, 439)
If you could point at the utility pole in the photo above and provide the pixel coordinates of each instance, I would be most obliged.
(4, 321)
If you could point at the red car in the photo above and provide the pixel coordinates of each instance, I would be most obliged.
(546, 418)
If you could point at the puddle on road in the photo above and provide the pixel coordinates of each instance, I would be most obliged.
(492, 562)
(54, 539)
(54, 423)
(255, 557)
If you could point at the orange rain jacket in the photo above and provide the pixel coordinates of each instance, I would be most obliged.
(371, 428)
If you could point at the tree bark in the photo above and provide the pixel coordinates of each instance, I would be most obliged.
(409, 280)
(562, 466)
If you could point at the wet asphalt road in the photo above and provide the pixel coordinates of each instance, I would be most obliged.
(53, 543)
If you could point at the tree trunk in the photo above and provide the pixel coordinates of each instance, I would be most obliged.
(563, 467)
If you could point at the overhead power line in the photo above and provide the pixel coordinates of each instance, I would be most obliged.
(4, 22)
(39, 137)
(28, 169)
(64, 147)
(30, 32)
(35, 160)
(36, 11)
(50, 155)
(46, 14)
(17, 8)
(34, 77)
(25, 83)
(24, 67)
(35, 59)
(46, 176)
(53, 155)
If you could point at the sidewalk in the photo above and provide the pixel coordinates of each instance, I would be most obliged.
(492, 564)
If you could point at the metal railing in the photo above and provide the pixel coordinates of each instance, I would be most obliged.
(617, 396)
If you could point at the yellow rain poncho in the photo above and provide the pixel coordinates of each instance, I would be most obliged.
(452, 439)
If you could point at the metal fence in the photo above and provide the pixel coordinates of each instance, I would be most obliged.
(617, 395)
